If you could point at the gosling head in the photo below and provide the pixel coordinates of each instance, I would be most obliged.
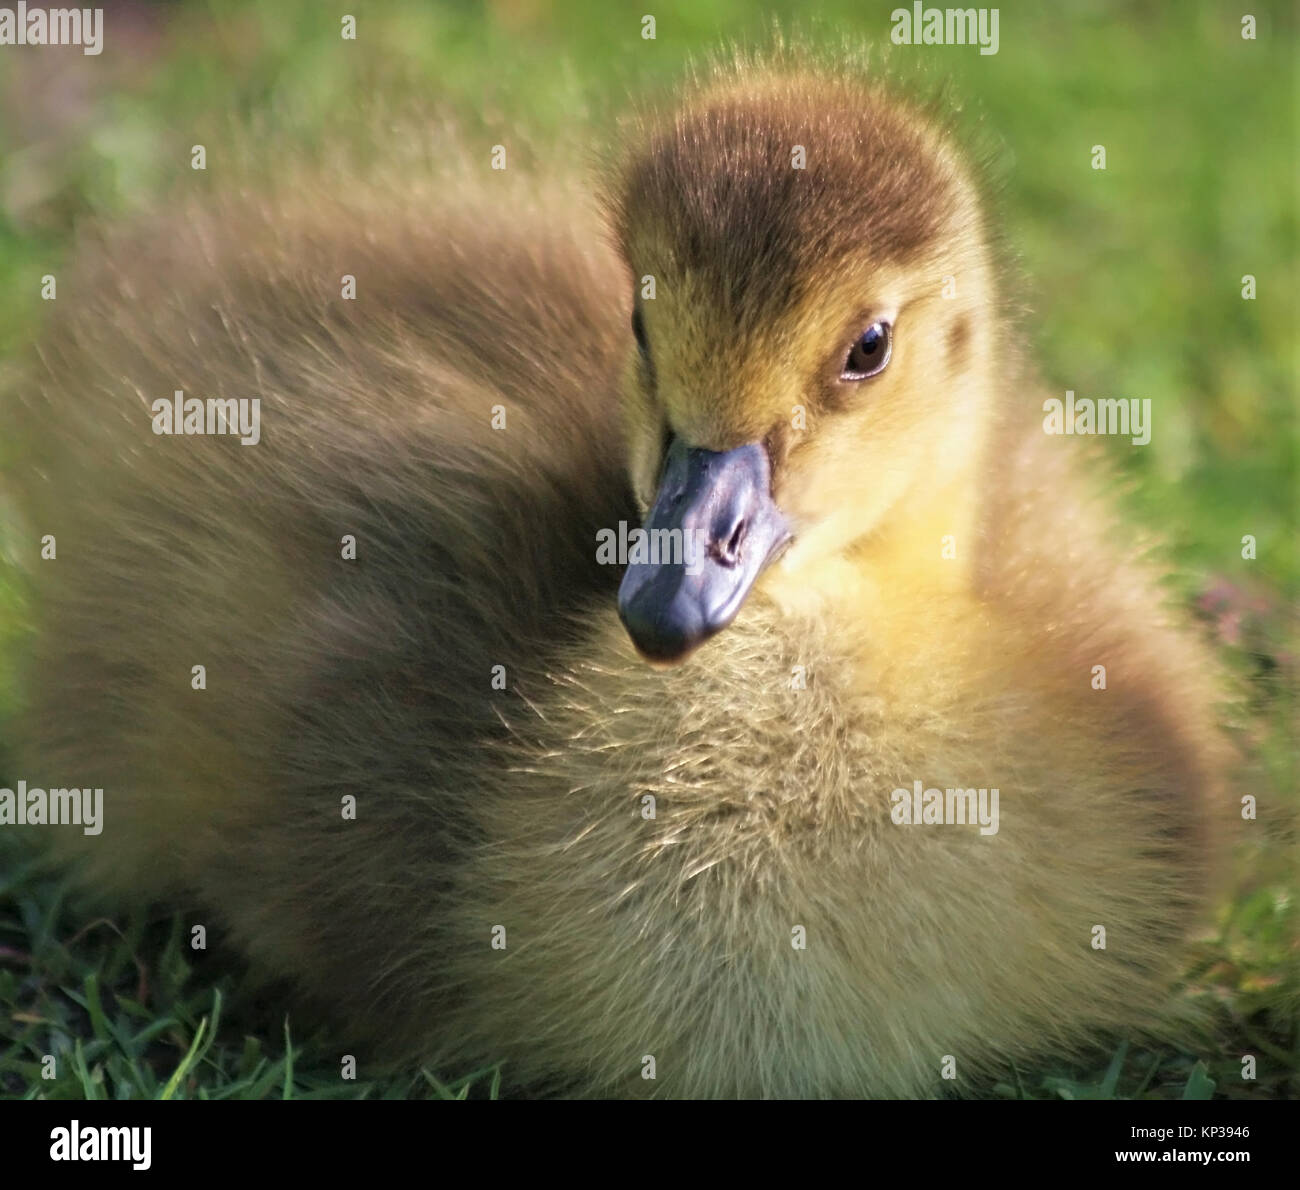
(818, 350)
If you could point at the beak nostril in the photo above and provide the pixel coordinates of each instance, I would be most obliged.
(729, 554)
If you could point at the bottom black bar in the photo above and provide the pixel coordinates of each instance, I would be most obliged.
(612, 1140)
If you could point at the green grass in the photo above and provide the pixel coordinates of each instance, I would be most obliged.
(1133, 283)
(127, 1010)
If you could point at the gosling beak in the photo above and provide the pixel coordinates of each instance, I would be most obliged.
(723, 529)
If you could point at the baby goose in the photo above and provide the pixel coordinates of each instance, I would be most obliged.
(438, 784)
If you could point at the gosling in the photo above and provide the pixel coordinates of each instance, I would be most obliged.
(400, 696)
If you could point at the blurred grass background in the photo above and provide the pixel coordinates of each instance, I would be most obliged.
(1134, 277)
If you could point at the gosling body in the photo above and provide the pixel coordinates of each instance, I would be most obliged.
(437, 785)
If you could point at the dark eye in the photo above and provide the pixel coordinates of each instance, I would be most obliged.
(638, 330)
(665, 445)
(869, 355)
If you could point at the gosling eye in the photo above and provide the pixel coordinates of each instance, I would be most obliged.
(665, 445)
(869, 354)
(638, 330)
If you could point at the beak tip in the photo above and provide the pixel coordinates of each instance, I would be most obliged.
(664, 634)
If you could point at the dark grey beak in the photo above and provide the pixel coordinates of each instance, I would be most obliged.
(727, 530)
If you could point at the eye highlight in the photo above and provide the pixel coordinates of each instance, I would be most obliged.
(869, 354)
